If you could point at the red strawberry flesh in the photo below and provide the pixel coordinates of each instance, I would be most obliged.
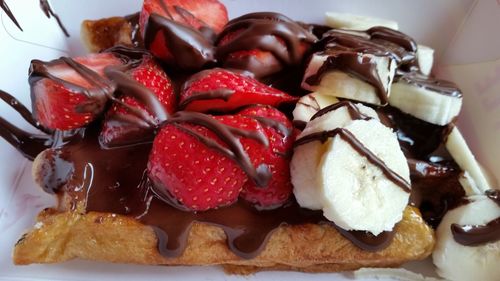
(198, 175)
(61, 100)
(222, 90)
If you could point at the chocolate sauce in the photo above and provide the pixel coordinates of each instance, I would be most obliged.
(47, 10)
(98, 93)
(229, 135)
(391, 35)
(353, 110)
(342, 52)
(439, 86)
(266, 31)
(28, 144)
(476, 235)
(435, 188)
(493, 195)
(361, 149)
(418, 139)
(133, 20)
(189, 48)
(114, 181)
(9, 13)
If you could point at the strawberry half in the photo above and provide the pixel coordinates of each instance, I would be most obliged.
(120, 125)
(181, 33)
(194, 13)
(263, 43)
(222, 90)
(62, 98)
(200, 177)
(279, 131)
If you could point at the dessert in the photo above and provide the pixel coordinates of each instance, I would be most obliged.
(179, 148)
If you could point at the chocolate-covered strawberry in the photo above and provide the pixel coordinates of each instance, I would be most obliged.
(203, 161)
(222, 90)
(121, 125)
(263, 43)
(279, 131)
(181, 33)
(69, 93)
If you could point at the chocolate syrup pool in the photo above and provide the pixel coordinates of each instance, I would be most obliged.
(115, 181)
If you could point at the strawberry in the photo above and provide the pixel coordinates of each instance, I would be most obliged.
(279, 131)
(150, 75)
(279, 189)
(222, 90)
(194, 13)
(198, 176)
(181, 32)
(61, 100)
(262, 46)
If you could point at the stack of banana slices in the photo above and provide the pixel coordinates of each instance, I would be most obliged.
(348, 163)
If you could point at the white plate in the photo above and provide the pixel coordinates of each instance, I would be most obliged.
(447, 25)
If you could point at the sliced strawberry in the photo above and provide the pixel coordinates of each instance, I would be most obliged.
(60, 99)
(222, 90)
(116, 129)
(197, 14)
(259, 61)
(279, 189)
(279, 131)
(198, 176)
(278, 128)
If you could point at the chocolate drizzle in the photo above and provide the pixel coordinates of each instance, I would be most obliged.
(442, 87)
(97, 94)
(476, 235)
(189, 48)
(343, 51)
(28, 144)
(100, 176)
(229, 135)
(361, 149)
(352, 109)
(9, 13)
(263, 31)
(47, 10)
(493, 195)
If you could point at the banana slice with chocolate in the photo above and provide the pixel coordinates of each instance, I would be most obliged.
(432, 100)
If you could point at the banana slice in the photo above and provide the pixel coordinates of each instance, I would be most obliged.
(357, 22)
(341, 84)
(455, 261)
(425, 59)
(309, 104)
(461, 153)
(356, 192)
(306, 157)
(435, 101)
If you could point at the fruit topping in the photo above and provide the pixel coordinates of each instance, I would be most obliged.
(181, 33)
(263, 43)
(222, 90)
(121, 125)
(203, 161)
(197, 14)
(279, 132)
(70, 93)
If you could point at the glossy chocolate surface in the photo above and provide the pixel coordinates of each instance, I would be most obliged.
(265, 31)
(475, 235)
(190, 49)
(432, 84)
